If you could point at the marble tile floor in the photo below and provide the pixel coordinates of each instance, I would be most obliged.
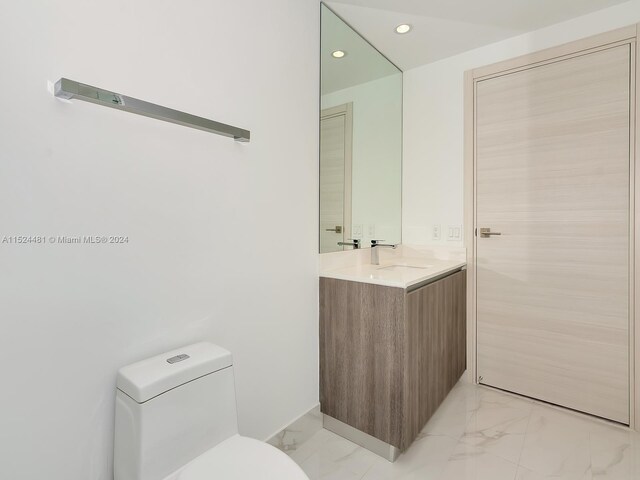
(483, 434)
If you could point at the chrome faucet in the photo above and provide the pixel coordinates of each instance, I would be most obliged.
(355, 243)
(375, 245)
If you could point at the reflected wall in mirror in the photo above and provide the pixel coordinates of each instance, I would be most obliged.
(360, 140)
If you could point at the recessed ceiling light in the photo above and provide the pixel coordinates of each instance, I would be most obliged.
(402, 29)
(338, 54)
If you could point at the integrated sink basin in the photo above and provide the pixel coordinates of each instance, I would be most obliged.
(404, 268)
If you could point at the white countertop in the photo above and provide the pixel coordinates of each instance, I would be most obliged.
(401, 271)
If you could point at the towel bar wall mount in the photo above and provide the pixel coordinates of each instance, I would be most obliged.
(70, 89)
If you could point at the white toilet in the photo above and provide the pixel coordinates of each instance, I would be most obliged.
(176, 420)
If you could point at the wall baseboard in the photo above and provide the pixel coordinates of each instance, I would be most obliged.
(299, 431)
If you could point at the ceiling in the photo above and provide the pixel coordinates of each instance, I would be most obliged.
(362, 62)
(442, 28)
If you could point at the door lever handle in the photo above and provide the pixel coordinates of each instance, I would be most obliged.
(487, 233)
(338, 229)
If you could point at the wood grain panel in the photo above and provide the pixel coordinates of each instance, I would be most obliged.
(387, 358)
(332, 181)
(552, 174)
(362, 348)
(436, 353)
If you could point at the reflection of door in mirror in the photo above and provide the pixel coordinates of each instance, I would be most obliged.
(336, 127)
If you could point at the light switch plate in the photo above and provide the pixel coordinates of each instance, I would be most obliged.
(454, 233)
(436, 233)
(356, 231)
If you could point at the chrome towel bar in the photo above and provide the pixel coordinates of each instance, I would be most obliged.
(69, 89)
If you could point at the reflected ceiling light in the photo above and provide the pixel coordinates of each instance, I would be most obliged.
(402, 29)
(338, 54)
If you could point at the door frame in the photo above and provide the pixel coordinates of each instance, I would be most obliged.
(346, 110)
(622, 36)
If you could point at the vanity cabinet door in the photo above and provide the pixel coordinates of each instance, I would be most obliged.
(436, 348)
(362, 356)
(388, 358)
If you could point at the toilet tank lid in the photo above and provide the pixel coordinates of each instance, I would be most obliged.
(149, 378)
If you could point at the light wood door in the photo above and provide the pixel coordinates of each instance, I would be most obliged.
(552, 176)
(335, 178)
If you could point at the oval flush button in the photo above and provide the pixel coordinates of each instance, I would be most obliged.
(178, 358)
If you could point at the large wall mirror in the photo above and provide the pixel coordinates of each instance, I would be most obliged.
(360, 140)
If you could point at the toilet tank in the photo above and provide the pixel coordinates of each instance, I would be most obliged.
(172, 408)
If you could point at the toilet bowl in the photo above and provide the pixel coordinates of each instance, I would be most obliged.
(176, 419)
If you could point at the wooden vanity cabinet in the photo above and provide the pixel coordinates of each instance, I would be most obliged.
(389, 356)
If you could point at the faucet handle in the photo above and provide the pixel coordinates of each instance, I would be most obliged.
(378, 243)
(355, 243)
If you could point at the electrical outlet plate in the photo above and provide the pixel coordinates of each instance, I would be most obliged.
(435, 232)
(454, 233)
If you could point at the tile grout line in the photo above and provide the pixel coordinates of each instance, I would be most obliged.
(524, 441)
(472, 406)
(366, 472)
(475, 413)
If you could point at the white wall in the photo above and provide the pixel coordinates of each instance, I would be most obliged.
(434, 122)
(207, 257)
(377, 156)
